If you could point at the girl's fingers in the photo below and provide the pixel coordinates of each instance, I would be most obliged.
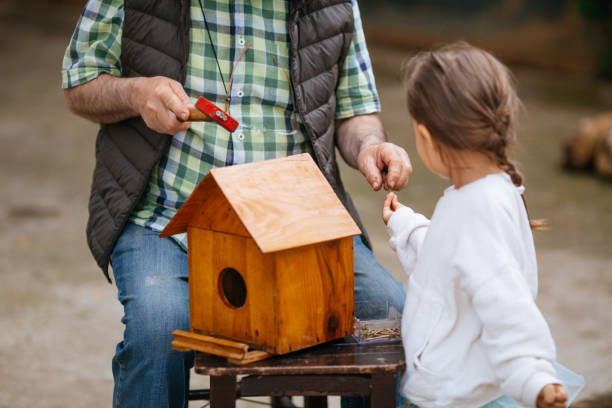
(387, 210)
(561, 392)
(389, 200)
(561, 400)
(549, 396)
(395, 204)
(546, 398)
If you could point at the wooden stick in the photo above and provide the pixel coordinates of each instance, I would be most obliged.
(372, 334)
(196, 115)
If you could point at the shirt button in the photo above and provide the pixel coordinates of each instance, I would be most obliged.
(240, 94)
(241, 136)
(241, 42)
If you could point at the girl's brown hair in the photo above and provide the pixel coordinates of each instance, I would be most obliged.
(466, 99)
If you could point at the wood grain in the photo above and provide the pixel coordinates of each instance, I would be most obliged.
(315, 298)
(281, 203)
(330, 358)
(210, 253)
(285, 203)
(201, 279)
(178, 224)
(216, 214)
(235, 352)
(196, 115)
(206, 208)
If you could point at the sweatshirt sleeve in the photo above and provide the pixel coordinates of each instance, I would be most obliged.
(515, 335)
(407, 230)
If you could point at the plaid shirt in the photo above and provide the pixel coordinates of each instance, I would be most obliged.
(260, 95)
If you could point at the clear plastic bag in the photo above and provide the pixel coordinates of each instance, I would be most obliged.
(386, 327)
(572, 382)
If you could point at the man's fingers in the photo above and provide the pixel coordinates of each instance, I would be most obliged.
(163, 105)
(398, 165)
(172, 102)
(166, 94)
(394, 170)
(166, 122)
(179, 91)
(174, 125)
(372, 172)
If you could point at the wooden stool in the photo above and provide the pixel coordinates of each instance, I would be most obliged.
(336, 368)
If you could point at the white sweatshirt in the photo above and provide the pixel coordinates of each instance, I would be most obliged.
(471, 329)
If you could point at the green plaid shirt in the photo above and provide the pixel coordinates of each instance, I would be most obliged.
(260, 95)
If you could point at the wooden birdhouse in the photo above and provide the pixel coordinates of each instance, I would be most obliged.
(270, 255)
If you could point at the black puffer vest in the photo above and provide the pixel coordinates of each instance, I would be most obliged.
(155, 42)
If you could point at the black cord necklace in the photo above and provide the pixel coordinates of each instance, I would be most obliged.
(213, 48)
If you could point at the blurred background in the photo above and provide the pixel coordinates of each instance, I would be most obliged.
(59, 318)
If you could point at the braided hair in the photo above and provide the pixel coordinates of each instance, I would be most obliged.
(466, 99)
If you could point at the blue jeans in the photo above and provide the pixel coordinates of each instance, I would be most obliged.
(151, 277)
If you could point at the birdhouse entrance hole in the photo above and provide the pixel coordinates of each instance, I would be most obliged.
(232, 287)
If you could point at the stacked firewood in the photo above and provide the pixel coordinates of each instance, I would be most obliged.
(591, 146)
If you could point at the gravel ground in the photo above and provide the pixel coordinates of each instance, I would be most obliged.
(59, 318)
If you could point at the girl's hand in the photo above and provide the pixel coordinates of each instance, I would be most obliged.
(390, 205)
(552, 396)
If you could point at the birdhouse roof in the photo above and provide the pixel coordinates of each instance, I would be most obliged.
(280, 203)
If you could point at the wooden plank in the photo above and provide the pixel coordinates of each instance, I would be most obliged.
(250, 357)
(261, 283)
(235, 352)
(202, 291)
(329, 358)
(315, 298)
(238, 347)
(235, 323)
(311, 385)
(220, 347)
(285, 203)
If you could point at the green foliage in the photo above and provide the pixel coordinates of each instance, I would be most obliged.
(604, 65)
(596, 10)
(599, 13)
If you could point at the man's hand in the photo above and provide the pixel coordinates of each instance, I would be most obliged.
(552, 396)
(385, 165)
(362, 143)
(161, 101)
(163, 104)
